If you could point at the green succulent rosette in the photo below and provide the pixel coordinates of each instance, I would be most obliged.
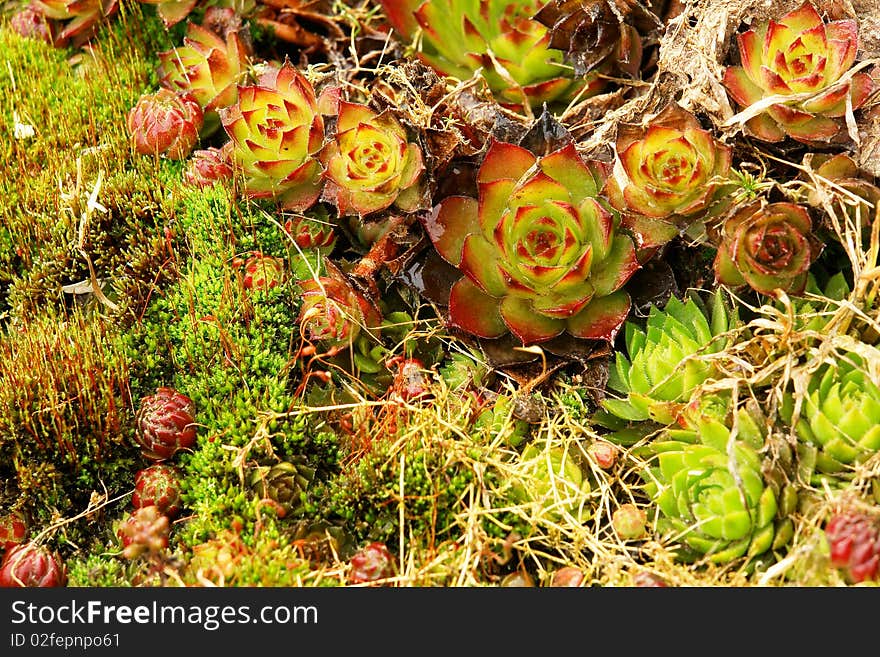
(838, 424)
(803, 57)
(371, 162)
(670, 173)
(551, 482)
(277, 132)
(710, 493)
(662, 365)
(498, 38)
(539, 250)
(284, 483)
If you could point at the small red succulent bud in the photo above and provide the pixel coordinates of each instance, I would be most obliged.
(13, 530)
(209, 165)
(645, 579)
(854, 538)
(165, 424)
(603, 453)
(568, 576)
(628, 521)
(310, 233)
(33, 24)
(158, 485)
(371, 563)
(30, 565)
(144, 531)
(165, 123)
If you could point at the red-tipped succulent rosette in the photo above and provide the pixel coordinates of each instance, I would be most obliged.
(208, 166)
(333, 313)
(165, 123)
(277, 132)
(79, 18)
(802, 56)
(165, 424)
(263, 272)
(499, 39)
(371, 163)
(311, 232)
(206, 65)
(668, 174)
(158, 485)
(30, 565)
(541, 254)
(767, 247)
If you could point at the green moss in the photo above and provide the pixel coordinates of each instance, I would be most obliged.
(75, 104)
(64, 413)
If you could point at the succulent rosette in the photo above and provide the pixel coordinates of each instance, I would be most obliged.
(208, 166)
(277, 131)
(550, 480)
(158, 485)
(371, 563)
(498, 38)
(767, 247)
(668, 174)
(144, 531)
(311, 232)
(853, 537)
(30, 565)
(371, 162)
(165, 424)
(838, 426)
(710, 493)
(284, 483)
(333, 313)
(165, 123)
(540, 252)
(263, 272)
(804, 57)
(663, 366)
(80, 18)
(207, 66)
(593, 35)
